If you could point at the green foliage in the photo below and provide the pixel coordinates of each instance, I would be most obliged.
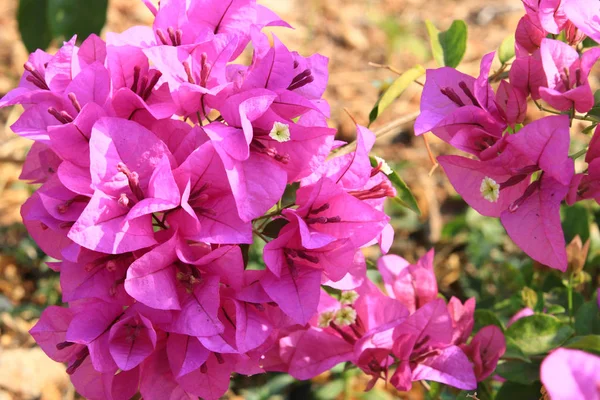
(589, 42)
(587, 319)
(484, 318)
(539, 333)
(519, 371)
(330, 391)
(448, 47)
(41, 21)
(395, 90)
(589, 343)
(514, 391)
(33, 24)
(576, 222)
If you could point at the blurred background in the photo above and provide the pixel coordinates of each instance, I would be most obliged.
(473, 255)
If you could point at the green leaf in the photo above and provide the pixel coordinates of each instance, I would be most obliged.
(272, 229)
(485, 318)
(507, 49)
(539, 333)
(555, 309)
(519, 371)
(76, 17)
(448, 47)
(395, 90)
(404, 197)
(34, 28)
(589, 343)
(514, 391)
(513, 351)
(587, 319)
(589, 42)
(576, 222)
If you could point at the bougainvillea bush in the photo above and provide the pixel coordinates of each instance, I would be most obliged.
(164, 160)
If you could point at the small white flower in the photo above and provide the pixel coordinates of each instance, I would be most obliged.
(345, 316)
(348, 297)
(385, 168)
(280, 132)
(325, 318)
(490, 189)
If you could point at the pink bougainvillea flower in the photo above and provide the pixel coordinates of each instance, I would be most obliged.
(328, 209)
(297, 246)
(460, 109)
(568, 374)
(194, 75)
(348, 326)
(485, 349)
(584, 15)
(587, 185)
(50, 333)
(528, 36)
(353, 172)
(499, 187)
(567, 74)
(413, 285)
(131, 340)
(161, 271)
(535, 225)
(549, 14)
(96, 385)
(136, 92)
(158, 381)
(527, 74)
(94, 275)
(422, 344)
(511, 103)
(256, 182)
(132, 177)
(208, 212)
(40, 164)
(463, 319)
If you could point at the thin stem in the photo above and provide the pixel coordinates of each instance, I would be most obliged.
(384, 130)
(370, 264)
(496, 74)
(579, 154)
(385, 66)
(260, 235)
(159, 222)
(274, 213)
(570, 299)
(571, 113)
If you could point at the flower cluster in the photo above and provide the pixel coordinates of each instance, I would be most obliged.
(521, 174)
(161, 159)
(407, 335)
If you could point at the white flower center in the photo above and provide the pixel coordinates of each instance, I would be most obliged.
(280, 132)
(348, 297)
(490, 189)
(345, 316)
(385, 168)
(325, 319)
